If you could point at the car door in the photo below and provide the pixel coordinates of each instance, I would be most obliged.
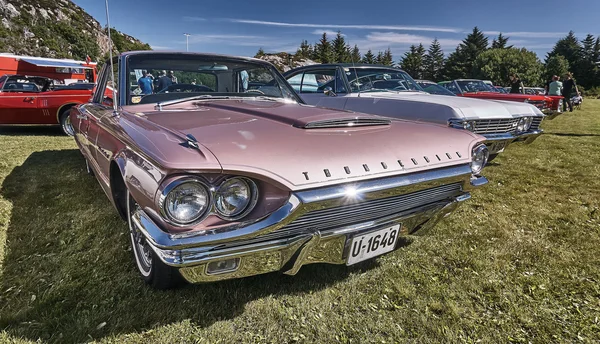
(19, 103)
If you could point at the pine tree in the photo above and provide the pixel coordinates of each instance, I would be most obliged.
(379, 58)
(259, 53)
(340, 49)
(460, 62)
(369, 57)
(323, 50)
(500, 42)
(387, 59)
(412, 61)
(570, 48)
(305, 50)
(355, 55)
(433, 62)
(587, 68)
(556, 65)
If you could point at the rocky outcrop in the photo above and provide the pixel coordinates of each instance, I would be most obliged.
(56, 28)
(285, 61)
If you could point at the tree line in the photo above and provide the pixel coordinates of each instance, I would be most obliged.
(474, 57)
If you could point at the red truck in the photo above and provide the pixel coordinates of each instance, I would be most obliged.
(41, 91)
(473, 88)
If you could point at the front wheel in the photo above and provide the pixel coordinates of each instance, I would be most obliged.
(65, 123)
(153, 271)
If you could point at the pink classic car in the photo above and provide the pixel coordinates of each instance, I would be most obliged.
(229, 175)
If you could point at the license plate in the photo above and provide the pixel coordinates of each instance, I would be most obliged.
(373, 244)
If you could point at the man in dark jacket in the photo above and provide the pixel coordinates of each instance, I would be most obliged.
(516, 86)
(164, 81)
(568, 86)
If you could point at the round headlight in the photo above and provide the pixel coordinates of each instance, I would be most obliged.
(521, 124)
(235, 198)
(479, 158)
(186, 202)
(469, 125)
(528, 121)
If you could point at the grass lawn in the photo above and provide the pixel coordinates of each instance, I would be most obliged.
(519, 262)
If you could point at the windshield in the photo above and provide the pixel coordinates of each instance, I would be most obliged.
(377, 79)
(434, 88)
(163, 77)
(473, 86)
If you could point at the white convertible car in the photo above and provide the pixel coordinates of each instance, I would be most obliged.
(391, 92)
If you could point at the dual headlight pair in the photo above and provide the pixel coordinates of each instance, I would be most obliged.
(524, 124)
(187, 201)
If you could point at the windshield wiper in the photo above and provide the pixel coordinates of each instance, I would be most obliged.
(160, 105)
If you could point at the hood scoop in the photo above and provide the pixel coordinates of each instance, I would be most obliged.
(346, 123)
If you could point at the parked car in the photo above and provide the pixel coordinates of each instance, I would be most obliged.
(29, 100)
(391, 92)
(473, 88)
(237, 181)
(433, 88)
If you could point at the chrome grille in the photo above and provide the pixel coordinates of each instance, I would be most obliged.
(496, 126)
(355, 213)
(535, 124)
(540, 104)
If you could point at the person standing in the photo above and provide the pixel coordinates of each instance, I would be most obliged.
(516, 86)
(555, 87)
(164, 81)
(145, 83)
(568, 87)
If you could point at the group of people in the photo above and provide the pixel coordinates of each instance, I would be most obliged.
(553, 87)
(557, 88)
(148, 84)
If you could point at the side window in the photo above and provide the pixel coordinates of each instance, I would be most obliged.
(315, 81)
(452, 88)
(103, 93)
(295, 81)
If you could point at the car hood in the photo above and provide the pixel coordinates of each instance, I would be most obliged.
(265, 140)
(426, 107)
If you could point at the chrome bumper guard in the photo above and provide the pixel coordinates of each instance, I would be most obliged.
(498, 142)
(265, 246)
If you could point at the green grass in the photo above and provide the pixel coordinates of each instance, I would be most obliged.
(519, 262)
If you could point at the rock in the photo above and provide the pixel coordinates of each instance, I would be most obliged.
(8, 9)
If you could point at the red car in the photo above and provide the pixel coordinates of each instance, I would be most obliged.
(31, 100)
(549, 105)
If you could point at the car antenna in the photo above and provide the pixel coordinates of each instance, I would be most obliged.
(355, 75)
(112, 70)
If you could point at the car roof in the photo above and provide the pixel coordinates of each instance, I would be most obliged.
(344, 65)
(152, 52)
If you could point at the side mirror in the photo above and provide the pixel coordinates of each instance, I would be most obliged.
(329, 92)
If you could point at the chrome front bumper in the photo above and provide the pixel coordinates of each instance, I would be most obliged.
(552, 114)
(261, 247)
(496, 143)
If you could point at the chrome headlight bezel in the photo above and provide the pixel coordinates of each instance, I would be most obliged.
(171, 187)
(479, 158)
(521, 125)
(210, 208)
(252, 198)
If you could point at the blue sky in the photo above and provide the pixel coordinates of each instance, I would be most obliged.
(241, 27)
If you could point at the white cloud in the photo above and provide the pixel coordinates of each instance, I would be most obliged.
(329, 33)
(160, 47)
(527, 34)
(193, 19)
(403, 39)
(348, 26)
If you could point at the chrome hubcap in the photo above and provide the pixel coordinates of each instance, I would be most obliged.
(141, 249)
(68, 126)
